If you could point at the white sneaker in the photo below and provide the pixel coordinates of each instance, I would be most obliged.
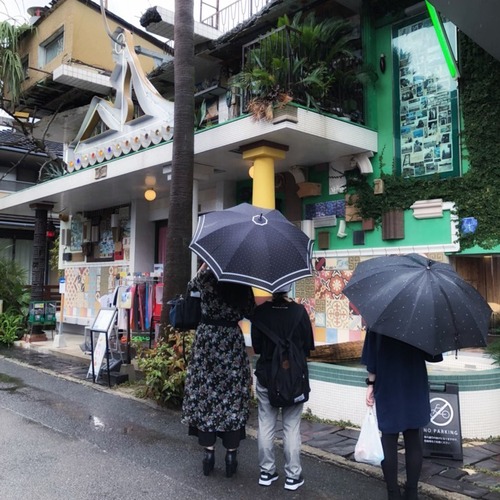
(293, 484)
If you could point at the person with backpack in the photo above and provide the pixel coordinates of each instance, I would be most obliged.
(283, 337)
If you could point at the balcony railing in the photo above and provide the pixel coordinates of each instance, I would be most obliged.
(229, 17)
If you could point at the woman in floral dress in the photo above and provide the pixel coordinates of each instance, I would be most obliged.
(217, 389)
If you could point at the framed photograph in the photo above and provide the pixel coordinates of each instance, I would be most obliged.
(425, 101)
(104, 320)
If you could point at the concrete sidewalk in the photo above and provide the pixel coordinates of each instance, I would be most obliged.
(477, 476)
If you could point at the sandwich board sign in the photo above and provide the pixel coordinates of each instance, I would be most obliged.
(443, 434)
(103, 323)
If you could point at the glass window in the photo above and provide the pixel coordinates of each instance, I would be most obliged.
(51, 48)
(25, 66)
(426, 102)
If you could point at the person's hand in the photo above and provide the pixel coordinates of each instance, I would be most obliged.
(370, 398)
(203, 267)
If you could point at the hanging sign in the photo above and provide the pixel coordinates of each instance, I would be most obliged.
(62, 285)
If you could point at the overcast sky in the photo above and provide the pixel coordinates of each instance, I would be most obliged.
(130, 10)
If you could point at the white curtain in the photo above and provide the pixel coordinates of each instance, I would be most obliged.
(24, 256)
(6, 248)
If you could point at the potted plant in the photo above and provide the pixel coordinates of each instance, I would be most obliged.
(307, 60)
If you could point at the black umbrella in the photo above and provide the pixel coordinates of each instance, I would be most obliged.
(419, 301)
(253, 246)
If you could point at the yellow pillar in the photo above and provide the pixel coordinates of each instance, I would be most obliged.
(263, 155)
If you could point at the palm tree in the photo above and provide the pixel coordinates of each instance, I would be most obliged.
(178, 259)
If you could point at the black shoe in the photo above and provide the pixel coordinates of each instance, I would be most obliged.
(266, 478)
(231, 462)
(411, 494)
(394, 494)
(208, 461)
(293, 484)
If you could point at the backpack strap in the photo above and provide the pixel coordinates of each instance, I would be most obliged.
(270, 334)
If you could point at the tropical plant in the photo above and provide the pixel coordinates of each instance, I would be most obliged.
(13, 291)
(261, 90)
(11, 68)
(11, 324)
(164, 367)
(199, 115)
(308, 60)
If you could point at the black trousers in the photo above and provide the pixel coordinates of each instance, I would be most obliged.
(413, 458)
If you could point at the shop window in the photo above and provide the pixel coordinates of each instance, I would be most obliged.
(51, 48)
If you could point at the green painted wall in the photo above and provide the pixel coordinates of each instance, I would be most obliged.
(417, 232)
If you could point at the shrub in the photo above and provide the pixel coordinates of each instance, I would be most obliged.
(10, 325)
(13, 292)
(164, 367)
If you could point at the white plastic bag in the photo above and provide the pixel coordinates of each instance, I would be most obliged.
(369, 446)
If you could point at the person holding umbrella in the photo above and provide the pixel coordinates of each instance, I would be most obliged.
(217, 388)
(398, 385)
(419, 309)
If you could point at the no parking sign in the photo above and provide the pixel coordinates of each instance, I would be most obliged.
(443, 434)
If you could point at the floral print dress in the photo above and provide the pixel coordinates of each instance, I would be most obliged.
(217, 388)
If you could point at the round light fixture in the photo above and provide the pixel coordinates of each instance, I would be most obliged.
(150, 194)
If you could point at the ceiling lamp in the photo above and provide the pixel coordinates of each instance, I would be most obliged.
(150, 194)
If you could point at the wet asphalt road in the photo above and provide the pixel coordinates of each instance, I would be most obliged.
(64, 439)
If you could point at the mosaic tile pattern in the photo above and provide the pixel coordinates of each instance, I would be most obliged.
(329, 263)
(310, 305)
(305, 288)
(337, 314)
(331, 336)
(320, 334)
(353, 262)
(85, 286)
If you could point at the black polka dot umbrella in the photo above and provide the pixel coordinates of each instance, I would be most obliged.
(253, 246)
(419, 301)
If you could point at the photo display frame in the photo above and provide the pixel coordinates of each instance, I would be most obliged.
(426, 102)
(103, 320)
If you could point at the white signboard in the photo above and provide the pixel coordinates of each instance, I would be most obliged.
(99, 353)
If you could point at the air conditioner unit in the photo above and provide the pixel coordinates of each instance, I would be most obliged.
(325, 221)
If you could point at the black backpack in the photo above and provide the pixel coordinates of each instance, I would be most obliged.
(289, 380)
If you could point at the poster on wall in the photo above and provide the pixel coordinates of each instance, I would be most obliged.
(76, 234)
(426, 119)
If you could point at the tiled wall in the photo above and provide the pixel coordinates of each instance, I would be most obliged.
(85, 286)
(333, 317)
